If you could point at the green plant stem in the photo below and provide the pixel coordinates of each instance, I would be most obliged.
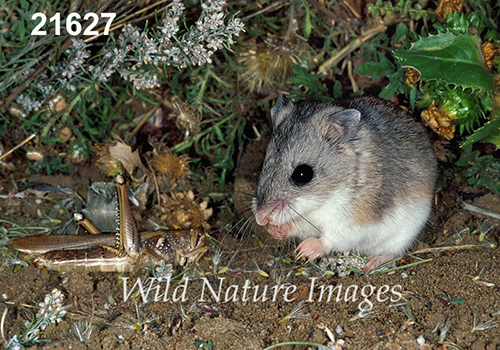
(187, 143)
(202, 87)
(53, 201)
(24, 229)
(65, 116)
(208, 73)
(400, 267)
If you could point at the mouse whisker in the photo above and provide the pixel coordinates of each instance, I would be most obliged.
(246, 194)
(305, 219)
(246, 211)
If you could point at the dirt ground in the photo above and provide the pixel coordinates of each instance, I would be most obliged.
(444, 303)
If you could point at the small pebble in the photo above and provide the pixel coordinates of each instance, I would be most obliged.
(421, 340)
(338, 329)
(404, 275)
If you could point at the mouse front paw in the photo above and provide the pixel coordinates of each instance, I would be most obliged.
(278, 231)
(310, 248)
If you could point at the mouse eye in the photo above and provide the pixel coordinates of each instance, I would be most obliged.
(302, 174)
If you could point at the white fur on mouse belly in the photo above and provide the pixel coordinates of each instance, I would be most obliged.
(337, 230)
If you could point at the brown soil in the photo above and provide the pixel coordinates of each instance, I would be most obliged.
(451, 291)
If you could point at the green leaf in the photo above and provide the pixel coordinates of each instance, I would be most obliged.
(376, 70)
(302, 77)
(24, 5)
(401, 32)
(337, 89)
(489, 132)
(389, 90)
(307, 25)
(21, 31)
(457, 301)
(453, 59)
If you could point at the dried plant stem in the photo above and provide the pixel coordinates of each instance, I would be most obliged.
(28, 66)
(366, 35)
(32, 77)
(353, 11)
(454, 247)
(481, 211)
(28, 139)
(294, 343)
(24, 85)
(376, 272)
(405, 325)
(2, 323)
(354, 84)
(156, 185)
(145, 117)
(264, 10)
(66, 114)
(290, 30)
(19, 304)
(183, 144)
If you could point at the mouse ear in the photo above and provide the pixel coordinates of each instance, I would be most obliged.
(282, 108)
(345, 124)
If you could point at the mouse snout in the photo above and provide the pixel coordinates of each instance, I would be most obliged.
(271, 213)
(263, 217)
(262, 212)
(260, 216)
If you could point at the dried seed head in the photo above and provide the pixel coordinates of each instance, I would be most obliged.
(171, 165)
(181, 210)
(16, 112)
(186, 118)
(65, 134)
(78, 151)
(35, 154)
(57, 103)
(446, 7)
(438, 121)
(412, 77)
(490, 53)
(270, 63)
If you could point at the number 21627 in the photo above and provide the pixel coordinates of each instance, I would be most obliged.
(73, 27)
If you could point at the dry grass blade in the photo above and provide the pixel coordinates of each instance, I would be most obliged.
(2, 323)
(28, 139)
(455, 247)
(368, 32)
(128, 18)
(481, 211)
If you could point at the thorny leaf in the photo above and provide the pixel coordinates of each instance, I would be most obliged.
(453, 59)
(489, 132)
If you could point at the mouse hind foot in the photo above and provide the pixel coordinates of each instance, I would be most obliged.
(312, 248)
(375, 261)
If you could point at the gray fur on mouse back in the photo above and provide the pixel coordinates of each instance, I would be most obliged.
(354, 175)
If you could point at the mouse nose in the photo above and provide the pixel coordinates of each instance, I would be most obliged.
(262, 213)
(263, 217)
(270, 213)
